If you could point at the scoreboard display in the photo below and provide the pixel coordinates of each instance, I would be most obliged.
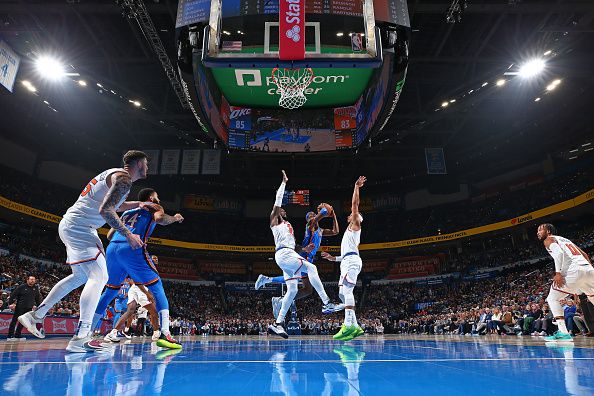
(297, 197)
(345, 118)
(196, 11)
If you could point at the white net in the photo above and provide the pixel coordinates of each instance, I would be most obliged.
(292, 83)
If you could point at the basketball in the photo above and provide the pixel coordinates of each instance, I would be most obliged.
(328, 207)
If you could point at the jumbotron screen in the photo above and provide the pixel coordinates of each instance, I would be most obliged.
(196, 11)
(296, 197)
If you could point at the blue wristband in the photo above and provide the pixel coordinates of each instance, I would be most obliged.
(324, 211)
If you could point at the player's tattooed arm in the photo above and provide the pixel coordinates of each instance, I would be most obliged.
(120, 187)
(164, 219)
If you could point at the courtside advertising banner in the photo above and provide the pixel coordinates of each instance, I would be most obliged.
(292, 30)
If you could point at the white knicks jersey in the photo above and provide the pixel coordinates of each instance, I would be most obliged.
(350, 242)
(85, 211)
(571, 253)
(283, 235)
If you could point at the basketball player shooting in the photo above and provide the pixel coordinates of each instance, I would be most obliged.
(291, 263)
(311, 244)
(350, 267)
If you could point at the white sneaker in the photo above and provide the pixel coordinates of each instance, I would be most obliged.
(11, 339)
(277, 302)
(23, 339)
(85, 344)
(278, 329)
(543, 333)
(30, 322)
(331, 308)
(156, 335)
(112, 336)
(262, 281)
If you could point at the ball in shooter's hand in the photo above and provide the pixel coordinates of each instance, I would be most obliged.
(328, 207)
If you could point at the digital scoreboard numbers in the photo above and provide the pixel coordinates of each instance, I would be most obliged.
(297, 197)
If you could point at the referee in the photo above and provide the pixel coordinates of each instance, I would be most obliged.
(23, 299)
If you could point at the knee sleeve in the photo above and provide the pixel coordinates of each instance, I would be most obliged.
(161, 301)
(349, 297)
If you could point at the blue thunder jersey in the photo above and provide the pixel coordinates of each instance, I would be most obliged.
(121, 300)
(314, 237)
(138, 221)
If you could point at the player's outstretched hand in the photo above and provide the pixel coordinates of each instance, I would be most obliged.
(285, 178)
(360, 181)
(135, 241)
(328, 256)
(179, 218)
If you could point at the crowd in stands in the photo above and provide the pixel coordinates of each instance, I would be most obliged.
(482, 208)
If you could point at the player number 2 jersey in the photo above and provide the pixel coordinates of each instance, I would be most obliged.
(85, 211)
(571, 254)
(350, 242)
(283, 235)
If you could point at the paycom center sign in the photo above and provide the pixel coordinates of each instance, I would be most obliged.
(256, 88)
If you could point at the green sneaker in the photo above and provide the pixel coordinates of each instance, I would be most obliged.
(344, 332)
(559, 336)
(355, 333)
(166, 341)
(348, 354)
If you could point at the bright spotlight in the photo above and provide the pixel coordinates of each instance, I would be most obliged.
(551, 86)
(547, 53)
(500, 82)
(82, 83)
(485, 84)
(556, 82)
(532, 68)
(445, 104)
(29, 86)
(537, 100)
(339, 34)
(137, 103)
(50, 68)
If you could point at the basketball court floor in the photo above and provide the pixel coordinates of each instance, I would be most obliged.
(370, 365)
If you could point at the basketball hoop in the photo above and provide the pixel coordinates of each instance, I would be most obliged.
(292, 83)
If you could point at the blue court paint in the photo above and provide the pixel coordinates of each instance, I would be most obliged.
(267, 366)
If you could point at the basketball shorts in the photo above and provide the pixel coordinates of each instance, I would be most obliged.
(291, 263)
(350, 268)
(578, 279)
(135, 294)
(82, 242)
(122, 260)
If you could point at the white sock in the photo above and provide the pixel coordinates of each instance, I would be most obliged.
(83, 329)
(561, 326)
(349, 317)
(164, 318)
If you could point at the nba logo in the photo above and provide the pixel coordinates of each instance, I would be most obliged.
(357, 42)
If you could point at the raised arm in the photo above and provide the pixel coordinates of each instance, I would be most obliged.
(355, 223)
(120, 187)
(276, 209)
(335, 228)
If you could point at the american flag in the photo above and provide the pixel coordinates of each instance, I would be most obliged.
(231, 45)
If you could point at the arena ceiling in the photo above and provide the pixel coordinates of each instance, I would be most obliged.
(484, 132)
